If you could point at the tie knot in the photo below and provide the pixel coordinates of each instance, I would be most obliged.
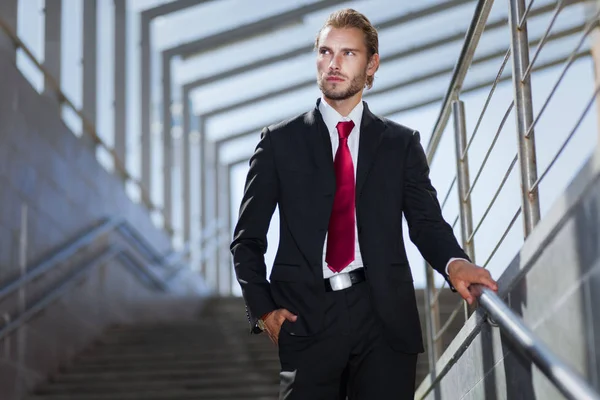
(344, 128)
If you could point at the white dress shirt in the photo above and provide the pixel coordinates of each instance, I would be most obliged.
(331, 118)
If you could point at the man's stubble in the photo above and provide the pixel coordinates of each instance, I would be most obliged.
(356, 85)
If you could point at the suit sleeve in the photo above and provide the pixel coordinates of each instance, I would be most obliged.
(428, 230)
(250, 235)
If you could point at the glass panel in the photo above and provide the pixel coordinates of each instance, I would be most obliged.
(30, 29)
(71, 56)
(105, 70)
(133, 87)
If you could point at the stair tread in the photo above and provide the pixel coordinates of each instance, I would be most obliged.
(159, 374)
(184, 384)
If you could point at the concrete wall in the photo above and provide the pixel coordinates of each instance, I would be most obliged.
(554, 283)
(44, 166)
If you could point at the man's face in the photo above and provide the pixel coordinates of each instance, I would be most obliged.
(342, 62)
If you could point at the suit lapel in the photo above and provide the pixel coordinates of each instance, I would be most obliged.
(371, 133)
(320, 143)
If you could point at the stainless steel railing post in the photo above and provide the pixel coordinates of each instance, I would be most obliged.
(524, 114)
(432, 318)
(464, 183)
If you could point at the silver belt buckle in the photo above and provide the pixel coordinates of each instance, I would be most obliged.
(340, 281)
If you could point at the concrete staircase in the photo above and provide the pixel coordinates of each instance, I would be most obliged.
(214, 358)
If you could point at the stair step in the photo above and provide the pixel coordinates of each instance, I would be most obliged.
(119, 387)
(172, 374)
(173, 362)
(177, 358)
(173, 355)
(158, 367)
(159, 350)
(269, 392)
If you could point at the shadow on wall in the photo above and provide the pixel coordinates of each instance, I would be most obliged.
(587, 221)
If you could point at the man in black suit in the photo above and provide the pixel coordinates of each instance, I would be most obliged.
(340, 302)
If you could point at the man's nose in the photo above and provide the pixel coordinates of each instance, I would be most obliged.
(334, 65)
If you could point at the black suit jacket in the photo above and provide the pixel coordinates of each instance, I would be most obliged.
(292, 167)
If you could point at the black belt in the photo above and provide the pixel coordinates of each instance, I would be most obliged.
(345, 280)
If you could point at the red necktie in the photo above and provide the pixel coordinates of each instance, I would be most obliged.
(340, 236)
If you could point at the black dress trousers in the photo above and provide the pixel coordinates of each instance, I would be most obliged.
(350, 357)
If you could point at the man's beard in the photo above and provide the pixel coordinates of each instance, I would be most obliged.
(356, 86)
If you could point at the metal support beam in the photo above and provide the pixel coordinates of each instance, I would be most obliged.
(9, 15)
(53, 45)
(524, 115)
(224, 233)
(219, 261)
(204, 172)
(229, 230)
(186, 192)
(171, 7)
(167, 142)
(90, 60)
(145, 104)
(120, 82)
(211, 226)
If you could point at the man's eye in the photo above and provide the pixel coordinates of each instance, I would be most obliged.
(324, 51)
(349, 53)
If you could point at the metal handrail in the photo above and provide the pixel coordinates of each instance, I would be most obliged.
(73, 247)
(88, 127)
(123, 254)
(565, 378)
(102, 257)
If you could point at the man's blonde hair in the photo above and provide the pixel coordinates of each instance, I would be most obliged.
(349, 18)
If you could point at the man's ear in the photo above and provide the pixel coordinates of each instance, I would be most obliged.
(373, 64)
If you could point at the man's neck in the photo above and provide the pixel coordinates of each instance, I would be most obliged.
(344, 107)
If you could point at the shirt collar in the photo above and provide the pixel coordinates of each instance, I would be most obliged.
(331, 117)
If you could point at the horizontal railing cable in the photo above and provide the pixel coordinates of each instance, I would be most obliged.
(540, 46)
(449, 192)
(496, 194)
(499, 243)
(526, 14)
(574, 55)
(569, 137)
(459, 307)
(489, 151)
(487, 102)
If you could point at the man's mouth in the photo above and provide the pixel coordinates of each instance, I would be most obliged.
(334, 79)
